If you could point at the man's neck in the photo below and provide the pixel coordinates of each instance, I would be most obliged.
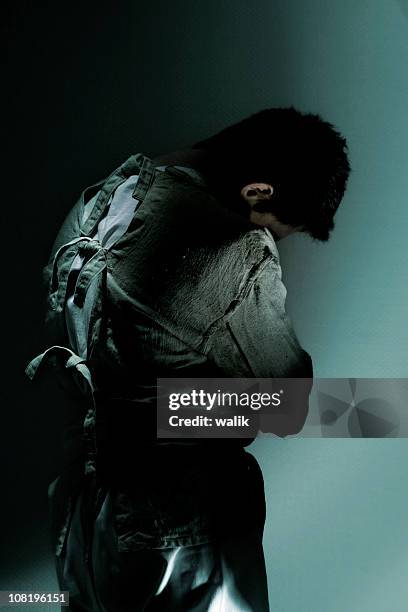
(214, 172)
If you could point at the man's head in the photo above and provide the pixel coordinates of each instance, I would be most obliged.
(289, 168)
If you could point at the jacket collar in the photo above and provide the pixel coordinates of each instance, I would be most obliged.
(188, 174)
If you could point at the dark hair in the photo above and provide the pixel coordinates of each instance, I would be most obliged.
(302, 156)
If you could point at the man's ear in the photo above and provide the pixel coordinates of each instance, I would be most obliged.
(255, 192)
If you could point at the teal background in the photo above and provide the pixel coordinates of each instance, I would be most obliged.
(348, 298)
(89, 86)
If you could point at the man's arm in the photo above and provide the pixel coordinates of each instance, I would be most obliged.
(257, 340)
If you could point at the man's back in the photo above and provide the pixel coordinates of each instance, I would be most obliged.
(189, 289)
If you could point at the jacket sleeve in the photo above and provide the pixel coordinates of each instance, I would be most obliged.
(256, 339)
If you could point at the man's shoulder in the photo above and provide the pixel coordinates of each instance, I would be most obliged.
(191, 257)
(183, 194)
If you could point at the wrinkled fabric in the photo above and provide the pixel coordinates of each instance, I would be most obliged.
(121, 208)
(190, 289)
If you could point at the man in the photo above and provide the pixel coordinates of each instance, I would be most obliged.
(169, 268)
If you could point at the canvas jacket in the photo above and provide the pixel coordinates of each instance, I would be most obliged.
(192, 289)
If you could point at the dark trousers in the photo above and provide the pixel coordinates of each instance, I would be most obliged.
(226, 574)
